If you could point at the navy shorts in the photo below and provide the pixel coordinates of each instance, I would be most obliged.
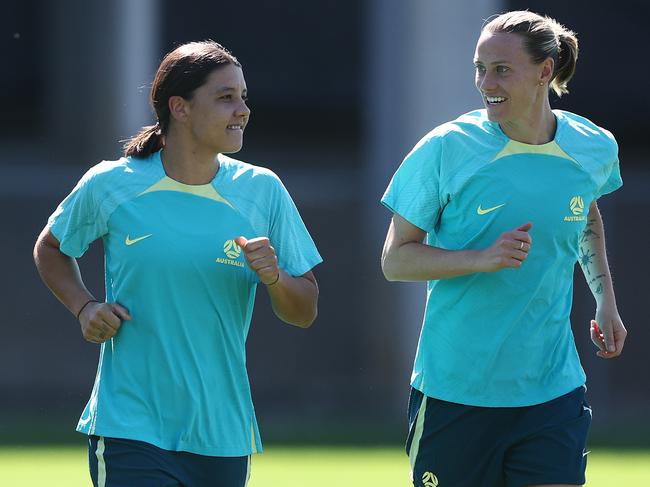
(466, 446)
(116, 462)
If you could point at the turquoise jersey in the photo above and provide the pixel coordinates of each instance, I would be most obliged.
(175, 375)
(504, 338)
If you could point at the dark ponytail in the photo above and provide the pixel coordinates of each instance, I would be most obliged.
(145, 142)
(544, 38)
(181, 72)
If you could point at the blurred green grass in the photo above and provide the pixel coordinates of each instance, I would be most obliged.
(283, 466)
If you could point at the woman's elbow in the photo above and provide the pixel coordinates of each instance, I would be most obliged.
(45, 242)
(304, 320)
(389, 268)
(39, 249)
(306, 323)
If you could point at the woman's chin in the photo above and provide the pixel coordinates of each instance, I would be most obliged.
(496, 114)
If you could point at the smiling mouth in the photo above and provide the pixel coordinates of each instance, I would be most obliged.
(494, 100)
(235, 127)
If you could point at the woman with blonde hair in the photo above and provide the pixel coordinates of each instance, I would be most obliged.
(494, 209)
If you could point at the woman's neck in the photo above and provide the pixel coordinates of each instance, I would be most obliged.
(187, 164)
(535, 129)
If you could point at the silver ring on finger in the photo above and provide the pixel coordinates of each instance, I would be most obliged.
(521, 246)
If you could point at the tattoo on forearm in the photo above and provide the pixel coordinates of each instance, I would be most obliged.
(587, 250)
(586, 258)
(588, 234)
(599, 287)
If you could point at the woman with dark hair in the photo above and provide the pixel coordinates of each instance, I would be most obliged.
(494, 209)
(188, 235)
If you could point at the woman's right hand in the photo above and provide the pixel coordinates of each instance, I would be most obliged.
(509, 251)
(101, 321)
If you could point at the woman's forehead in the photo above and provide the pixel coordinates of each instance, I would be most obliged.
(228, 75)
(500, 46)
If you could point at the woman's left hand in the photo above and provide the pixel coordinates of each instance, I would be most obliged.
(608, 333)
(261, 258)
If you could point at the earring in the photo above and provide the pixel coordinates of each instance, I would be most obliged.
(541, 83)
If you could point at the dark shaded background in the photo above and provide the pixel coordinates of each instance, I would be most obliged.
(306, 65)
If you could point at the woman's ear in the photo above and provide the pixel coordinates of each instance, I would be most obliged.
(548, 68)
(178, 108)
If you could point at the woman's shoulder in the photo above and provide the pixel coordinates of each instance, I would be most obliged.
(107, 168)
(242, 172)
(121, 179)
(101, 173)
(124, 166)
(468, 127)
(471, 134)
(585, 141)
(579, 127)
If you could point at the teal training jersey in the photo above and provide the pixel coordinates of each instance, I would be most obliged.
(502, 338)
(175, 375)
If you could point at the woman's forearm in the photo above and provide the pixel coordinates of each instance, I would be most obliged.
(592, 257)
(414, 261)
(407, 258)
(295, 299)
(60, 273)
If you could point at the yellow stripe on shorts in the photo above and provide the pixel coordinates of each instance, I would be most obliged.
(101, 464)
(417, 434)
(248, 470)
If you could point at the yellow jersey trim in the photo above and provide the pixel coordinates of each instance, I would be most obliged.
(550, 149)
(201, 190)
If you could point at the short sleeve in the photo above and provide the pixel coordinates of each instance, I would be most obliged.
(613, 182)
(594, 148)
(611, 169)
(76, 222)
(414, 191)
(296, 251)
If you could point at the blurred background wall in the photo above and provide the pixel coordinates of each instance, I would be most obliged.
(339, 92)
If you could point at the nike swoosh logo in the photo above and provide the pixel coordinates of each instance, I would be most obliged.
(128, 241)
(482, 211)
